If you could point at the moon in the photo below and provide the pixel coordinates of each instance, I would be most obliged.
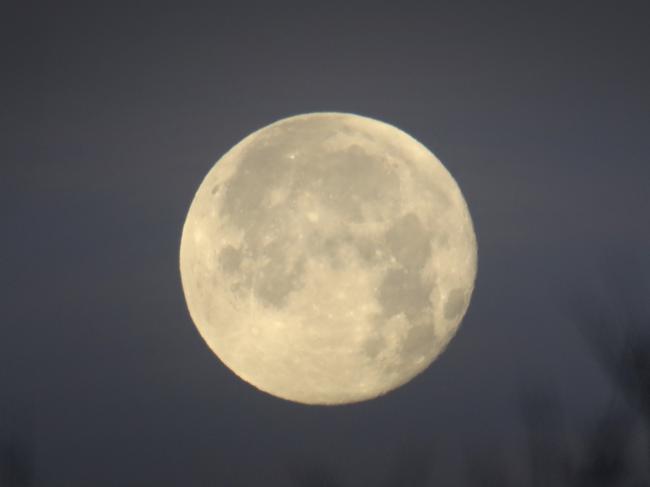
(328, 258)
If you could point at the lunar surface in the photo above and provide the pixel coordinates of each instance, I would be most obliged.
(328, 258)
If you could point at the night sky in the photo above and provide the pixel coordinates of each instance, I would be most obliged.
(112, 115)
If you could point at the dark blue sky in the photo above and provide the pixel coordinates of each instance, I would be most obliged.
(112, 115)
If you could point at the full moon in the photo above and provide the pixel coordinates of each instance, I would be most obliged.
(328, 258)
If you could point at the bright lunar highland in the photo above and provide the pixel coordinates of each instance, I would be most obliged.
(328, 258)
